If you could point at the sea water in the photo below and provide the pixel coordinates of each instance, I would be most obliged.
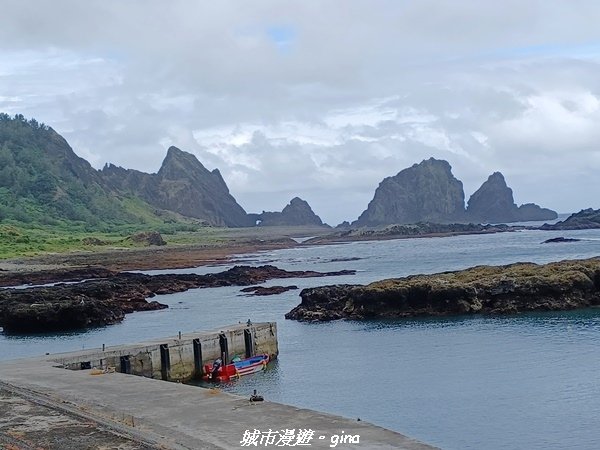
(529, 381)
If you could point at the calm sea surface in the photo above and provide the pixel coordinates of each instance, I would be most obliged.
(517, 382)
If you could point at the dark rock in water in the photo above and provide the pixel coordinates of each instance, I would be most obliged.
(148, 238)
(297, 212)
(182, 185)
(106, 301)
(583, 220)
(560, 239)
(412, 230)
(271, 290)
(507, 289)
(425, 192)
(54, 275)
(493, 202)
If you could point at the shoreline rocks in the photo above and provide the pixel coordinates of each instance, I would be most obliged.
(585, 219)
(105, 301)
(271, 290)
(521, 287)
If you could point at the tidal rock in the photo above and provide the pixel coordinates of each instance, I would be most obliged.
(297, 212)
(560, 239)
(508, 289)
(271, 290)
(425, 192)
(11, 278)
(106, 301)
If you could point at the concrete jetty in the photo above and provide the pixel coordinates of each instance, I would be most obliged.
(75, 409)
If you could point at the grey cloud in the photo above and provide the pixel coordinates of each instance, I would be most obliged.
(362, 90)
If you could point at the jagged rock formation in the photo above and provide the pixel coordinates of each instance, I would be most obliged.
(583, 220)
(182, 185)
(508, 289)
(493, 203)
(425, 192)
(428, 192)
(297, 212)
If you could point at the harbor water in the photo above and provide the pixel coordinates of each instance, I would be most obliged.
(471, 382)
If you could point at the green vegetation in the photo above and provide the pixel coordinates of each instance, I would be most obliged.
(51, 200)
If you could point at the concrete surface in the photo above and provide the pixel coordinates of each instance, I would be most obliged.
(148, 413)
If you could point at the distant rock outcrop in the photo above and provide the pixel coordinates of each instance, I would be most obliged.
(425, 192)
(182, 185)
(583, 220)
(429, 192)
(493, 202)
(297, 212)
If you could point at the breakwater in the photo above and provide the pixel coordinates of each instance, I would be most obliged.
(99, 408)
(178, 358)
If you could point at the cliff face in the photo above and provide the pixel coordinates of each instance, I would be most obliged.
(425, 192)
(297, 212)
(182, 185)
(493, 203)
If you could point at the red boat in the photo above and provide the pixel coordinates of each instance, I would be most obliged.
(223, 373)
(237, 368)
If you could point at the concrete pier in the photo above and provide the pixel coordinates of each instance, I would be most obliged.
(179, 358)
(143, 412)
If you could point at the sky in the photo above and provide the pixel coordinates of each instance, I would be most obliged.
(320, 100)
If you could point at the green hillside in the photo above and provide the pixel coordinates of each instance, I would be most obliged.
(50, 197)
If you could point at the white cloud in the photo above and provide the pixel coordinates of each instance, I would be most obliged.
(318, 99)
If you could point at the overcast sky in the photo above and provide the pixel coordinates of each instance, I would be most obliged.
(319, 99)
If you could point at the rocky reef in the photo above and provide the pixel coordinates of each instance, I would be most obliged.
(409, 231)
(510, 289)
(583, 220)
(271, 290)
(105, 301)
(493, 202)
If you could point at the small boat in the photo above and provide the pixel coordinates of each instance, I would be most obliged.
(237, 368)
(224, 373)
(251, 365)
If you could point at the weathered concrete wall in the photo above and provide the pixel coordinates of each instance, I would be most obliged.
(179, 359)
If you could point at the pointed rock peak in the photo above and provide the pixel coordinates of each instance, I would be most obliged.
(297, 212)
(174, 151)
(178, 162)
(497, 178)
(297, 201)
(431, 162)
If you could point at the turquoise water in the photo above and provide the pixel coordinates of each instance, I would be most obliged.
(527, 381)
